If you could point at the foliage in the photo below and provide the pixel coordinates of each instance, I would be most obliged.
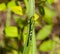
(47, 46)
(11, 31)
(44, 32)
(2, 7)
(30, 25)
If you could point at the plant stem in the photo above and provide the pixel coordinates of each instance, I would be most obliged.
(8, 17)
(31, 41)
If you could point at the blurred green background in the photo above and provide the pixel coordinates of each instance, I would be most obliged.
(13, 26)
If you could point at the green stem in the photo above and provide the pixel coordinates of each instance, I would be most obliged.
(30, 41)
(8, 17)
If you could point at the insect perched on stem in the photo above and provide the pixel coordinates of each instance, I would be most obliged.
(31, 27)
(30, 23)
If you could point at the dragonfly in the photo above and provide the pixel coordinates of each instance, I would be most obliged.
(30, 28)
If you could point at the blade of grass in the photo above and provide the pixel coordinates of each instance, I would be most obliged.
(31, 8)
(30, 5)
(33, 41)
(8, 17)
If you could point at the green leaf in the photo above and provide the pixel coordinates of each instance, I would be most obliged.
(11, 4)
(50, 1)
(46, 46)
(2, 7)
(49, 15)
(14, 8)
(25, 34)
(44, 32)
(36, 16)
(11, 31)
(17, 10)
